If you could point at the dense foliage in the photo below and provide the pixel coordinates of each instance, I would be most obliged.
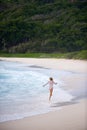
(43, 25)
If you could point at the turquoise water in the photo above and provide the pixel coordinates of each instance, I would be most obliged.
(21, 91)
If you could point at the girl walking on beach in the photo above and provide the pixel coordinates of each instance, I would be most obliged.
(51, 83)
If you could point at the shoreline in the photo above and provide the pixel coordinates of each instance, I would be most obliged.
(60, 64)
(71, 116)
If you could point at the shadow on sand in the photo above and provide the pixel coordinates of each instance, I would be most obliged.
(61, 104)
(78, 94)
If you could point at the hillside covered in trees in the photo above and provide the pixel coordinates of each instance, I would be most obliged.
(43, 26)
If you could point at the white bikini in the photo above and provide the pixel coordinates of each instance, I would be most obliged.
(51, 84)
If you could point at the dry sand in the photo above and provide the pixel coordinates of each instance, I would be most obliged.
(61, 64)
(72, 116)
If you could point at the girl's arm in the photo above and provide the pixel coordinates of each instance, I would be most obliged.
(45, 84)
(54, 82)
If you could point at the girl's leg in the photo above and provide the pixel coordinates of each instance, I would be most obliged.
(51, 91)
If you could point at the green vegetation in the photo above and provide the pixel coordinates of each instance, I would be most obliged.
(71, 55)
(43, 26)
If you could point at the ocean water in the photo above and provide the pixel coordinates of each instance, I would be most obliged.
(22, 93)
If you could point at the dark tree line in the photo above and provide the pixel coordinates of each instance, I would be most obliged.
(37, 27)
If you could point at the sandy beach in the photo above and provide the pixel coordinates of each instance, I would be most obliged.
(61, 64)
(72, 116)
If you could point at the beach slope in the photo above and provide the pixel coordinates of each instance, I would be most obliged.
(72, 115)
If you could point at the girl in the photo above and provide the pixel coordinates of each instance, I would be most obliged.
(50, 82)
